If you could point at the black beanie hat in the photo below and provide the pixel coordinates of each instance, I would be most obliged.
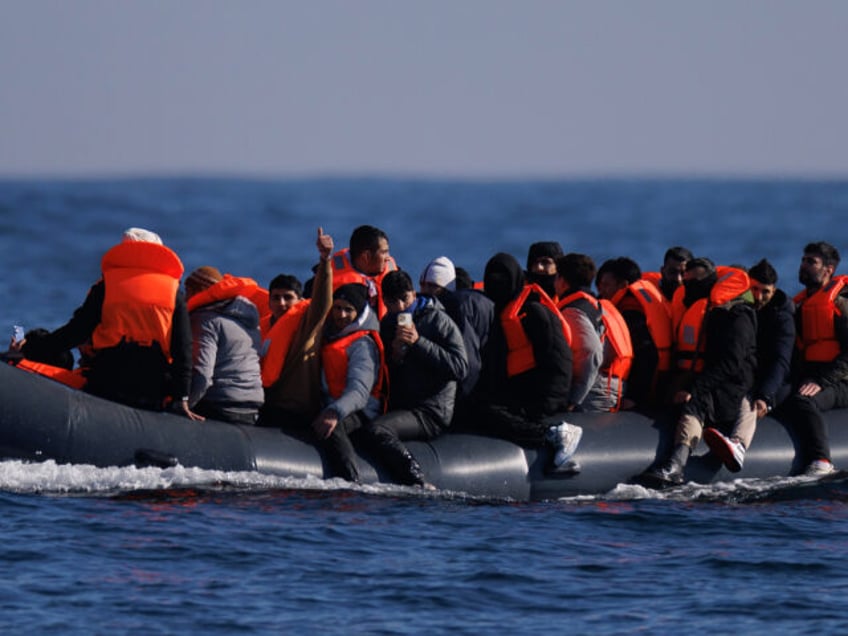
(543, 248)
(355, 294)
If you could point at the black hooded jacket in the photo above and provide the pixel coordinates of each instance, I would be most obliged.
(730, 362)
(544, 389)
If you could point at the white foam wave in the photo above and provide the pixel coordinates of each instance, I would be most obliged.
(51, 478)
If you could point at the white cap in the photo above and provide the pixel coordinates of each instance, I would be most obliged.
(441, 272)
(141, 235)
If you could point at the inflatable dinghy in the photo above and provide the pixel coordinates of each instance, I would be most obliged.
(43, 420)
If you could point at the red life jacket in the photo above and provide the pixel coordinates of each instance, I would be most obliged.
(615, 331)
(279, 340)
(226, 288)
(344, 272)
(141, 282)
(658, 319)
(689, 322)
(74, 379)
(817, 340)
(520, 356)
(334, 363)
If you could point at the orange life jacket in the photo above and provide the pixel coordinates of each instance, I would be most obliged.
(344, 272)
(74, 379)
(657, 317)
(520, 356)
(334, 364)
(279, 340)
(689, 321)
(817, 340)
(141, 282)
(615, 331)
(226, 288)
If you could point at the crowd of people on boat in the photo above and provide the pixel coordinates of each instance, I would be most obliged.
(357, 355)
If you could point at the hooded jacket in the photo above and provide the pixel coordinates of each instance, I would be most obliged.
(775, 342)
(364, 368)
(426, 379)
(544, 389)
(226, 343)
(726, 341)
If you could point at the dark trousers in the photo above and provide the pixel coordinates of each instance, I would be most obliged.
(386, 434)
(513, 425)
(339, 449)
(803, 417)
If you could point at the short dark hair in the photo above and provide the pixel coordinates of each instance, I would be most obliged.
(828, 253)
(365, 238)
(286, 281)
(578, 270)
(763, 272)
(625, 268)
(395, 285)
(463, 279)
(622, 269)
(677, 253)
(702, 262)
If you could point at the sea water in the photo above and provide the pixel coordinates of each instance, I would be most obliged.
(126, 550)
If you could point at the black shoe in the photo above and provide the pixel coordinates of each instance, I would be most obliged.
(667, 474)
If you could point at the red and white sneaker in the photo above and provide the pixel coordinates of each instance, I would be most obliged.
(729, 450)
(818, 468)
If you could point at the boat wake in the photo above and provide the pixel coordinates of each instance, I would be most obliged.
(740, 491)
(52, 479)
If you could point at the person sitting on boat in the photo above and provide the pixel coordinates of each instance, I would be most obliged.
(670, 276)
(291, 361)
(57, 366)
(715, 359)
(525, 379)
(284, 292)
(226, 383)
(820, 366)
(426, 359)
(775, 343)
(366, 261)
(541, 265)
(642, 307)
(471, 310)
(353, 377)
(136, 320)
(599, 338)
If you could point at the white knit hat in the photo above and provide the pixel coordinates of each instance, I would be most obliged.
(141, 235)
(441, 272)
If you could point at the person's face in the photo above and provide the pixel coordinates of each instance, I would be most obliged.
(608, 286)
(543, 265)
(342, 313)
(813, 273)
(672, 271)
(375, 261)
(695, 273)
(281, 300)
(397, 305)
(560, 285)
(762, 293)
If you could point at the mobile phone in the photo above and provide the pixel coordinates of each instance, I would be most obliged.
(17, 333)
(404, 319)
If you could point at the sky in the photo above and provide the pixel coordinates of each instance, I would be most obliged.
(431, 88)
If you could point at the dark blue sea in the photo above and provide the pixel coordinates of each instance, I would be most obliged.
(177, 551)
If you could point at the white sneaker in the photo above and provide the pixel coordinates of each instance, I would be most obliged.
(565, 437)
(818, 468)
(729, 450)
